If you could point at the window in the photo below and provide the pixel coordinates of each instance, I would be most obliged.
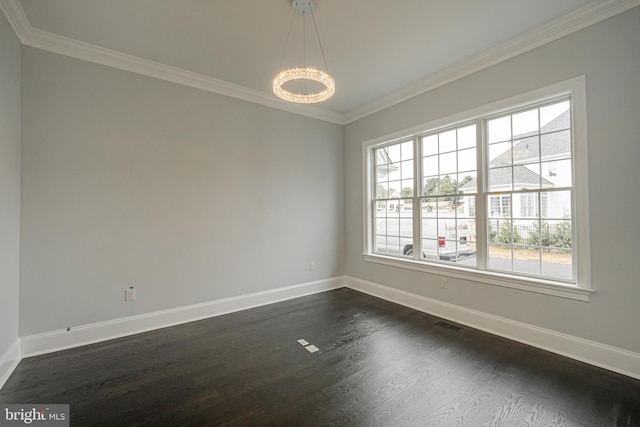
(521, 146)
(492, 196)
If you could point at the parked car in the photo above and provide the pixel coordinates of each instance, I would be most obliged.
(445, 241)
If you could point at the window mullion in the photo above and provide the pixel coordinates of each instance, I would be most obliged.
(417, 197)
(481, 197)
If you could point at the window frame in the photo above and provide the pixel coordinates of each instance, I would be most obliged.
(574, 89)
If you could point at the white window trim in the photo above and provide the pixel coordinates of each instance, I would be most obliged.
(582, 290)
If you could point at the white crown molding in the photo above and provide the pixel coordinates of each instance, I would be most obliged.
(55, 43)
(572, 22)
(16, 17)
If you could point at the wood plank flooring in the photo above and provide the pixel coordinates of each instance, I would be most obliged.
(379, 364)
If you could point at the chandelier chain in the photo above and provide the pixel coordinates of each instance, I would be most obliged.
(319, 41)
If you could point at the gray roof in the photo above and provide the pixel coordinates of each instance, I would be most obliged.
(556, 143)
(526, 149)
(522, 178)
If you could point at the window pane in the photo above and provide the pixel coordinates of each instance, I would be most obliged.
(406, 150)
(430, 145)
(448, 163)
(430, 226)
(382, 190)
(499, 207)
(526, 150)
(467, 160)
(406, 169)
(500, 154)
(381, 243)
(556, 145)
(499, 129)
(557, 263)
(395, 189)
(557, 173)
(431, 186)
(555, 117)
(448, 184)
(393, 245)
(394, 172)
(467, 137)
(448, 230)
(558, 204)
(430, 165)
(525, 123)
(468, 182)
(394, 153)
(447, 141)
(500, 179)
(407, 188)
(382, 172)
(393, 226)
(382, 157)
(526, 259)
(527, 177)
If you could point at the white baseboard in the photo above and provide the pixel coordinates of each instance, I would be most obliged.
(601, 355)
(48, 342)
(8, 362)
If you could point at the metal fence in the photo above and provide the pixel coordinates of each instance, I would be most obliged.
(554, 234)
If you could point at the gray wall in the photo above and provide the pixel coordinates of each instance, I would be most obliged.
(9, 185)
(608, 54)
(187, 195)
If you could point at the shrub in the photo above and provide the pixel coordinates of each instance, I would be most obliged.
(538, 237)
(506, 233)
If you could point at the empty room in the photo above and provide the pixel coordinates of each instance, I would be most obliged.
(319, 212)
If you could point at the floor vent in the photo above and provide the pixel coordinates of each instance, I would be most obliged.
(448, 326)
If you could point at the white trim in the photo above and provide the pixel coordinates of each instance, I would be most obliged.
(546, 287)
(608, 357)
(574, 87)
(579, 19)
(9, 361)
(570, 23)
(48, 342)
(55, 43)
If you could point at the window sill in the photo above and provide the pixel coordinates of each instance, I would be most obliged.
(546, 287)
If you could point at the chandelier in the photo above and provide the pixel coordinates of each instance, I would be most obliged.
(304, 73)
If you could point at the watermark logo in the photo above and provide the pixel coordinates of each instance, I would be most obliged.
(34, 415)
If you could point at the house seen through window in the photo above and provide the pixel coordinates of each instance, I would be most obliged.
(494, 193)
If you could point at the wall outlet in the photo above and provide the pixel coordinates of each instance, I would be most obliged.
(130, 294)
(312, 266)
(444, 283)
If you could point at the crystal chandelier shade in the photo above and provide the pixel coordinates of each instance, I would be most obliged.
(304, 7)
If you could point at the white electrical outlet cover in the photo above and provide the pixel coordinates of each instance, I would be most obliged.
(303, 342)
(312, 348)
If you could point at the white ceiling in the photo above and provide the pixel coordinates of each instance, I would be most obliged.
(378, 51)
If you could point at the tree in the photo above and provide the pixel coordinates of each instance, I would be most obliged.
(431, 186)
(407, 192)
(448, 186)
(465, 180)
(508, 234)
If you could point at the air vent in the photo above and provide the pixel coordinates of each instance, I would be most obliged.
(448, 326)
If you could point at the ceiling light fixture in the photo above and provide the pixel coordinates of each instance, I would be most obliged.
(304, 73)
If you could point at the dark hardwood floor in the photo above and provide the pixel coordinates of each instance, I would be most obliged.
(378, 364)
